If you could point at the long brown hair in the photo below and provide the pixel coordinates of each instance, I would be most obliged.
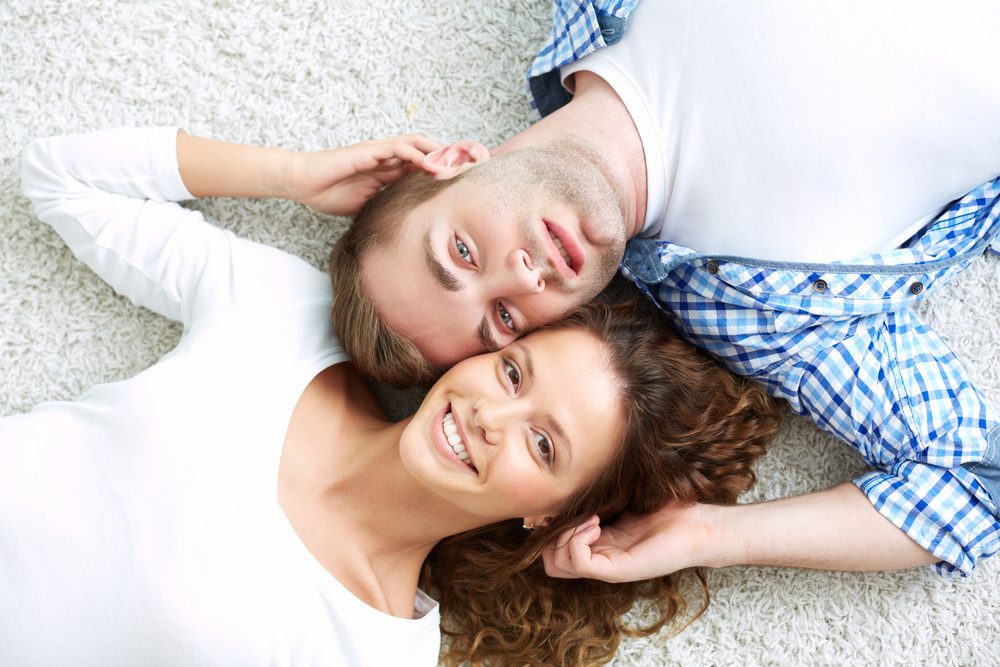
(691, 433)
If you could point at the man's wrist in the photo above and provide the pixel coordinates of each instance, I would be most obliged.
(721, 546)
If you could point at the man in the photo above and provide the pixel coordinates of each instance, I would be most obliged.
(824, 142)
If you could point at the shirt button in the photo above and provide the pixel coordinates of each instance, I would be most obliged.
(712, 267)
(820, 285)
(916, 288)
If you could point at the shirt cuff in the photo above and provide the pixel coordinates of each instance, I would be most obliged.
(163, 151)
(936, 508)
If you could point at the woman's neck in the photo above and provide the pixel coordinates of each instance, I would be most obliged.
(351, 500)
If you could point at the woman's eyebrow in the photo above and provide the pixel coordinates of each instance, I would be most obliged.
(547, 417)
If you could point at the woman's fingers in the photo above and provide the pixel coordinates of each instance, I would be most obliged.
(408, 147)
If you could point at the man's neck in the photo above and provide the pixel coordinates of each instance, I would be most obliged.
(599, 118)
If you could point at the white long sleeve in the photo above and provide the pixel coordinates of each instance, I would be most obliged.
(110, 195)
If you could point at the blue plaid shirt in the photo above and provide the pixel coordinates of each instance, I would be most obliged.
(840, 342)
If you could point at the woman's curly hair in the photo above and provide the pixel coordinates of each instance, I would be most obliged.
(691, 433)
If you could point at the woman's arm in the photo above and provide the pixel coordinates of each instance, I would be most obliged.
(110, 195)
(836, 529)
(336, 181)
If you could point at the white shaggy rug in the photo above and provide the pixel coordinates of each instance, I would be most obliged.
(310, 74)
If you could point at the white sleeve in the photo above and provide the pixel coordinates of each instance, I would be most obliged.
(110, 195)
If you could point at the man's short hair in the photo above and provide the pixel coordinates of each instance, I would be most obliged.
(376, 350)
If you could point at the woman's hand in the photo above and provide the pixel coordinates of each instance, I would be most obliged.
(633, 547)
(339, 181)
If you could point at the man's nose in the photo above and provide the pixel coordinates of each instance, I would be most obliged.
(523, 275)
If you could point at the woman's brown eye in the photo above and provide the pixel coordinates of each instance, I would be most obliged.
(543, 445)
(513, 374)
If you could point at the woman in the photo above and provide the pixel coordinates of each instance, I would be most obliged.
(245, 501)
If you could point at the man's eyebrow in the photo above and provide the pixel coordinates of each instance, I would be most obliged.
(485, 335)
(547, 417)
(441, 274)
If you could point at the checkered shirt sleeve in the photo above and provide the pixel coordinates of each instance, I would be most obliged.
(842, 344)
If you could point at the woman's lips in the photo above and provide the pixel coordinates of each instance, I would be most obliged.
(441, 441)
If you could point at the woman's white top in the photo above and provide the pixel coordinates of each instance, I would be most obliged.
(806, 131)
(139, 524)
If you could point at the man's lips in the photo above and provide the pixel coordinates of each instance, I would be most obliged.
(569, 244)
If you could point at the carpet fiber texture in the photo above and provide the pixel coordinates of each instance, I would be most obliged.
(308, 74)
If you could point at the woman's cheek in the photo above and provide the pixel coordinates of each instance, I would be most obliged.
(523, 488)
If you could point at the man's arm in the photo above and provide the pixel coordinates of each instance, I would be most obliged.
(336, 181)
(934, 452)
(860, 363)
(836, 529)
(833, 529)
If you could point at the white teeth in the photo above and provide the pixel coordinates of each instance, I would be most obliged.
(454, 439)
(562, 250)
(455, 442)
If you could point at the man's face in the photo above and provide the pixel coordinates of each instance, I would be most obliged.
(514, 245)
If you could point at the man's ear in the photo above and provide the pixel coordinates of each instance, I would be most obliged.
(452, 160)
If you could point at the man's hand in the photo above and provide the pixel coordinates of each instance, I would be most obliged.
(339, 181)
(632, 548)
(836, 529)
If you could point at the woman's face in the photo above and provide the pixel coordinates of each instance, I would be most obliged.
(515, 433)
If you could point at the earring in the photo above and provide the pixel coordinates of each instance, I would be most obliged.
(528, 526)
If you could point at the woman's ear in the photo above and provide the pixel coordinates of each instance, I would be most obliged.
(452, 160)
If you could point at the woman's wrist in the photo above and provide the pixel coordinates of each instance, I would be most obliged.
(211, 168)
(288, 169)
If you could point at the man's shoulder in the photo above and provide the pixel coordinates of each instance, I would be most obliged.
(578, 29)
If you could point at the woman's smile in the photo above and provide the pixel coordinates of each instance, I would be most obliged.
(450, 441)
(455, 439)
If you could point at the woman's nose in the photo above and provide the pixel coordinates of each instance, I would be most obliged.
(493, 418)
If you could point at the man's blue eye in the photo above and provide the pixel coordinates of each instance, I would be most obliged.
(505, 317)
(463, 251)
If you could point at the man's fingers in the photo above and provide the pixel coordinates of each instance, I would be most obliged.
(569, 555)
(580, 555)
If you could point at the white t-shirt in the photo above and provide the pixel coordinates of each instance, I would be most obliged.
(139, 524)
(806, 131)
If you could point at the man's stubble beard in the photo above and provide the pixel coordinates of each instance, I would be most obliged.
(571, 173)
